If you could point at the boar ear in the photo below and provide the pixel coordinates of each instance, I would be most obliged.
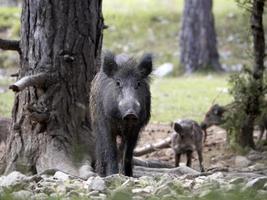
(145, 66)
(218, 110)
(109, 64)
(177, 127)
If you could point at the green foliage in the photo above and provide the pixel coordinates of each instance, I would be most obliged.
(246, 92)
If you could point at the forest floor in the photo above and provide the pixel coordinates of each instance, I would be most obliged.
(215, 151)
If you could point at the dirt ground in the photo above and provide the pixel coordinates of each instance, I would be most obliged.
(215, 153)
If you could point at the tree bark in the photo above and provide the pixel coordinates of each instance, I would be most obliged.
(253, 109)
(198, 37)
(51, 126)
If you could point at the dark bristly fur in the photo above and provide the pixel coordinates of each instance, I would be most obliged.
(186, 139)
(120, 106)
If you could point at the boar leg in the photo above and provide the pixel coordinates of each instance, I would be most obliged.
(130, 143)
(200, 158)
(189, 158)
(177, 159)
(106, 151)
(262, 130)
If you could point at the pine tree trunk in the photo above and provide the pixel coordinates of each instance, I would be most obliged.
(60, 54)
(253, 108)
(198, 37)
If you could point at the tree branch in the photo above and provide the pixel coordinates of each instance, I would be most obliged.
(151, 163)
(33, 80)
(153, 147)
(10, 45)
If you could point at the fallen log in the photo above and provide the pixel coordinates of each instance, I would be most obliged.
(151, 163)
(149, 148)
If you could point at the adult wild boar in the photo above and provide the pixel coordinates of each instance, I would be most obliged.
(120, 106)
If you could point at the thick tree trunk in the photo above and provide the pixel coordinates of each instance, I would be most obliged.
(60, 53)
(198, 37)
(253, 108)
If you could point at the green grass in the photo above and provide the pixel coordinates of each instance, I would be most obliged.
(172, 98)
(6, 103)
(187, 97)
(10, 19)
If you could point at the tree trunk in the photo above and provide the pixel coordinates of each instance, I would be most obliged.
(253, 107)
(60, 54)
(198, 37)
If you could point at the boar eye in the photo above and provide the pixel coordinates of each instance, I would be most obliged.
(118, 83)
(138, 84)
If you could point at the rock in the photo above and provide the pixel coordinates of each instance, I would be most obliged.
(257, 183)
(54, 196)
(148, 190)
(61, 176)
(73, 195)
(61, 188)
(188, 184)
(23, 194)
(241, 161)
(216, 176)
(237, 180)
(254, 155)
(96, 183)
(40, 196)
(86, 171)
(113, 181)
(15, 181)
(257, 166)
(93, 193)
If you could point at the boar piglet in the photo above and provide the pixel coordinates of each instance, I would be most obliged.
(186, 139)
(120, 106)
(214, 116)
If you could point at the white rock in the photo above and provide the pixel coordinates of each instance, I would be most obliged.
(96, 183)
(148, 189)
(163, 70)
(12, 179)
(257, 166)
(23, 194)
(237, 180)
(216, 176)
(61, 188)
(257, 183)
(241, 161)
(61, 176)
(86, 171)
